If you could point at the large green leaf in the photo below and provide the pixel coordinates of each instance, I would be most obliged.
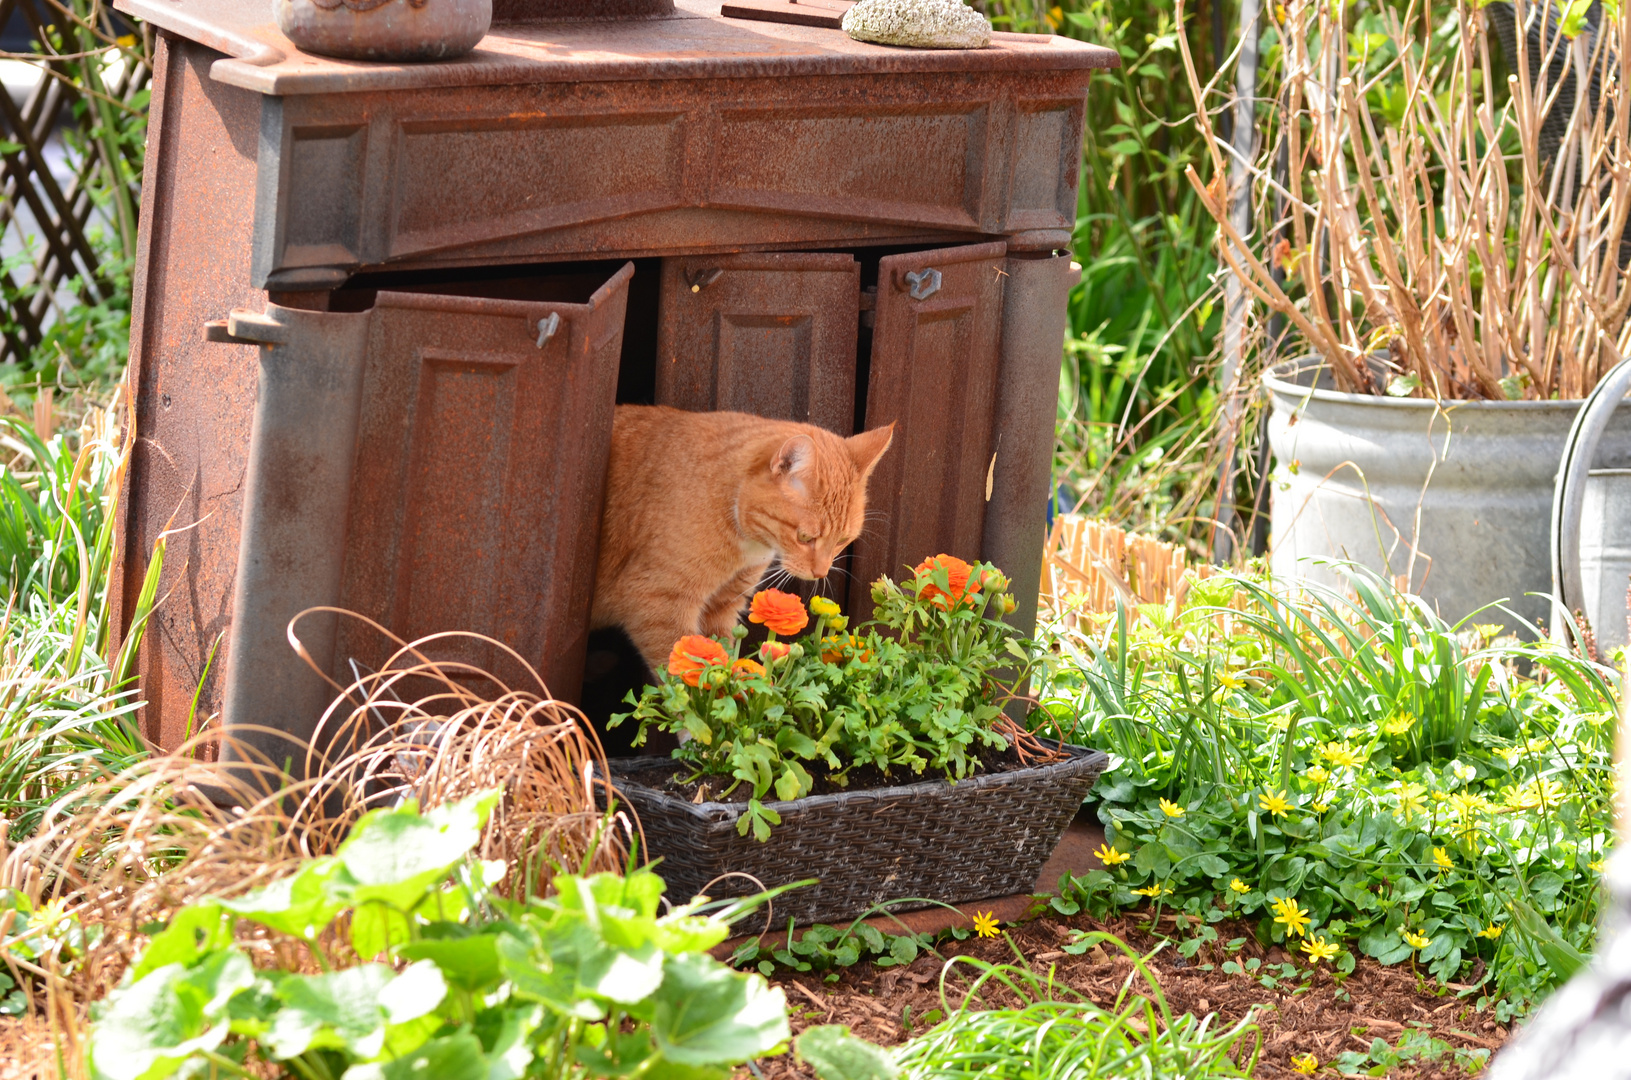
(394, 856)
(452, 1057)
(146, 1030)
(194, 931)
(300, 905)
(545, 976)
(340, 1010)
(835, 1054)
(707, 1014)
(470, 963)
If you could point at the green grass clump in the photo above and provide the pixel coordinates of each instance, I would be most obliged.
(1352, 773)
(1044, 1031)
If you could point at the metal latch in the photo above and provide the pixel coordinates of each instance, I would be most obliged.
(925, 283)
(244, 327)
(701, 279)
(547, 328)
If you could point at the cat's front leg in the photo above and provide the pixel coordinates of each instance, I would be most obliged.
(723, 611)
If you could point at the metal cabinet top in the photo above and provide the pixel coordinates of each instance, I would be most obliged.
(695, 42)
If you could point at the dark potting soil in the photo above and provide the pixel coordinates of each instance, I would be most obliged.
(862, 778)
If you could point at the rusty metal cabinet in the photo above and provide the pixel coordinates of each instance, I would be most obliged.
(795, 162)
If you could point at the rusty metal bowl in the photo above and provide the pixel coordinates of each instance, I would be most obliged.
(392, 30)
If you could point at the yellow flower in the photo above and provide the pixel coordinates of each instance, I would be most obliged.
(1318, 774)
(50, 914)
(1539, 792)
(1292, 917)
(1109, 856)
(1240, 886)
(1398, 723)
(1413, 939)
(1171, 809)
(985, 924)
(1320, 807)
(1154, 890)
(1469, 804)
(1510, 754)
(1410, 800)
(1319, 949)
(823, 608)
(1491, 931)
(1232, 682)
(1441, 859)
(1308, 1064)
(1341, 754)
(1595, 866)
(1274, 802)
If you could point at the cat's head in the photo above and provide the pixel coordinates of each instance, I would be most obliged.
(810, 502)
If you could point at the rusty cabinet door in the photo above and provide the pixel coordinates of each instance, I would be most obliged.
(769, 334)
(435, 463)
(935, 357)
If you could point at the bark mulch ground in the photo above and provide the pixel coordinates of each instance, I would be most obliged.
(1325, 1019)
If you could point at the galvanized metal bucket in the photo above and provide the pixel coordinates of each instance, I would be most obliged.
(1452, 498)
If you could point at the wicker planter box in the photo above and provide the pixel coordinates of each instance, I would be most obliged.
(982, 837)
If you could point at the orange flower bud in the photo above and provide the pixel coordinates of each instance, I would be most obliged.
(773, 650)
(693, 654)
(781, 613)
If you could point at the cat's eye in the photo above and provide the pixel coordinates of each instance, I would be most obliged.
(806, 538)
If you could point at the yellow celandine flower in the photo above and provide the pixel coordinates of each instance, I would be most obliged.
(1491, 931)
(1274, 802)
(1154, 890)
(1308, 1064)
(1320, 807)
(1233, 682)
(1437, 796)
(1537, 793)
(1289, 915)
(1469, 804)
(1441, 859)
(1171, 809)
(1055, 18)
(985, 924)
(1510, 754)
(1109, 856)
(53, 912)
(1341, 754)
(1240, 886)
(1317, 774)
(1319, 949)
(1595, 866)
(1410, 800)
(823, 608)
(1413, 939)
(1398, 723)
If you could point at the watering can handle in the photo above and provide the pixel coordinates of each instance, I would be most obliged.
(1569, 495)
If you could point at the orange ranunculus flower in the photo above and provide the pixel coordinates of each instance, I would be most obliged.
(781, 613)
(693, 654)
(836, 648)
(745, 667)
(957, 572)
(774, 650)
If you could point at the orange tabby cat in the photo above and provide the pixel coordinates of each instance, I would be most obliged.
(698, 505)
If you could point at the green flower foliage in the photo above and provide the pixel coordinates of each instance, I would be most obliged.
(455, 981)
(916, 691)
(1419, 792)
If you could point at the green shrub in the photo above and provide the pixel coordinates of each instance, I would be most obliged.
(588, 982)
(1353, 772)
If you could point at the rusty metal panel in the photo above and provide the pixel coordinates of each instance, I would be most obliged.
(1035, 305)
(194, 401)
(481, 462)
(525, 173)
(935, 362)
(768, 334)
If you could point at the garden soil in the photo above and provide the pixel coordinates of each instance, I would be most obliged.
(1379, 1001)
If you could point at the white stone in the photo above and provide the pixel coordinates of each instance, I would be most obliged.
(921, 24)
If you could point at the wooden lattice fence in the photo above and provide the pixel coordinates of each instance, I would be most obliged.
(70, 175)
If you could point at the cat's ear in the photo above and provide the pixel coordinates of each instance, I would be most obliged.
(792, 462)
(866, 448)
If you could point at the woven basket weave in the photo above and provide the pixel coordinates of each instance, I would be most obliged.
(982, 837)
